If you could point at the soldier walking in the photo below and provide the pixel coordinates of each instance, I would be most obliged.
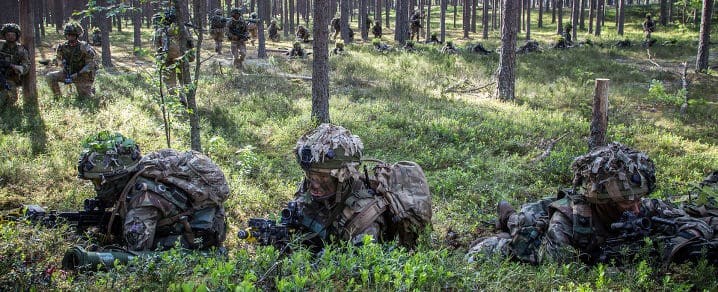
(166, 40)
(78, 64)
(238, 35)
(217, 26)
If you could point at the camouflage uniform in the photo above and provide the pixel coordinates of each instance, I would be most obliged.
(479, 49)
(338, 49)
(415, 25)
(273, 30)
(17, 59)
(449, 48)
(377, 30)
(351, 211)
(336, 26)
(252, 27)
(579, 225)
(297, 51)
(155, 214)
(166, 40)
(79, 58)
(96, 37)
(649, 26)
(434, 39)
(217, 27)
(238, 36)
(302, 34)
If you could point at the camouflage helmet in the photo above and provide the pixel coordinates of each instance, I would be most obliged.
(339, 44)
(170, 16)
(568, 26)
(108, 155)
(328, 147)
(297, 45)
(274, 21)
(253, 15)
(10, 27)
(73, 28)
(614, 173)
(235, 11)
(218, 11)
(157, 19)
(648, 15)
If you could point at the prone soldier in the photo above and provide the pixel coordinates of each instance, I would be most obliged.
(297, 51)
(78, 61)
(14, 64)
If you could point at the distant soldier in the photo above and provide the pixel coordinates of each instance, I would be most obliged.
(252, 26)
(380, 46)
(302, 34)
(273, 30)
(449, 48)
(376, 30)
(238, 35)
(409, 46)
(567, 35)
(338, 48)
(415, 20)
(96, 37)
(649, 26)
(336, 27)
(166, 40)
(297, 51)
(14, 64)
(479, 49)
(529, 47)
(434, 39)
(217, 24)
(78, 63)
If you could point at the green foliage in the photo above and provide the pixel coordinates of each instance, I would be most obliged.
(658, 92)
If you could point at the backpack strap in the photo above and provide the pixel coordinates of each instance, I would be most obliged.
(366, 216)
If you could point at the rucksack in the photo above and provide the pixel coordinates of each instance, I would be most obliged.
(192, 172)
(404, 186)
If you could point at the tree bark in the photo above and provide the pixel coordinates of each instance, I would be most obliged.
(559, 9)
(485, 20)
(185, 78)
(442, 19)
(621, 15)
(105, 24)
(401, 28)
(344, 20)
(320, 65)
(506, 77)
(591, 14)
(528, 20)
(31, 107)
(599, 117)
(263, 15)
(599, 17)
(466, 18)
(663, 18)
(705, 35)
(540, 16)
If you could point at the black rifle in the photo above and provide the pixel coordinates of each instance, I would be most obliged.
(94, 215)
(268, 232)
(236, 30)
(629, 233)
(68, 75)
(5, 67)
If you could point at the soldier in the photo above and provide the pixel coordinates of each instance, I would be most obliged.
(602, 215)
(409, 46)
(449, 48)
(415, 25)
(78, 63)
(167, 42)
(380, 46)
(335, 200)
(96, 37)
(649, 26)
(238, 35)
(156, 199)
(14, 64)
(252, 26)
(529, 47)
(302, 34)
(434, 39)
(297, 51)
(217, 25)
(377, 30)
(336, 27)
(273, 30)
(338, 48)
(567, 35)
(479, 49)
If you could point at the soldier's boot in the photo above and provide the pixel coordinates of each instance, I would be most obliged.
(56, 93)
(505, 210)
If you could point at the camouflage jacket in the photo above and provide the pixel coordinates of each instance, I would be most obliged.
(80, 58)
(237, 30)
(15, 55)
(358, 214)
(217, 21)
(166, 40)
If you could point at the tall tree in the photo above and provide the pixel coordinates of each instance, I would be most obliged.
(506, 73)
(705, 36)
(485, 19)
(442, 19)
(105, 24)
(663, 18)
(263, 13)
(31, 107)
(559, 9)
(599, 16)
(136, 26)
(401, 28)
(621, 15)
(185, 78)
(582, 16)
(575, 7)
(591, 14)
(344, 20)
(528, 20)
(540, 16)
(320, 65)
(364, 19)
(466, 18)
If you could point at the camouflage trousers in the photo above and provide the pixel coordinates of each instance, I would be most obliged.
(239, 51)
(8, 97)
(170, 75)
(253, 32)
(415, 32)
(218, 37)
(84, 83)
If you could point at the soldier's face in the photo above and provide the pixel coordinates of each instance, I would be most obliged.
(629, 205)
(10, 36)
(71, 37)
(321, 184)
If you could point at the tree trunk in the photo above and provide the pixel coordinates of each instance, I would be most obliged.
(621, 15)
(105, 24)
(466, 18)
(485, 20)
(442, 19)
(456, 10)
(663, 18)
(528, 20)
(9, 12)
(363, 20)
(559, 9)
(705, 36)
(507, 59)
(263, 14)
(474, 5)
(540, 16)
(591, 14)
(553, 10)
(575, 7)
(320, 65)
(344, 21)
(387, 12)
(428, 21)
(136, 27)
(599, 117)
(599, 17)
(31, 107)
(582, 16)
(401, 27)
(185, 78)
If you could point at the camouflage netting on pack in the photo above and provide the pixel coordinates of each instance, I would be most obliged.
(328, 147)
(107, 155)
(614, 173)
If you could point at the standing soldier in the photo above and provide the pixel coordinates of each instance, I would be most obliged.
(336, 27)
(238, 36)
(78, 63)
(252, 26)
(14, 64)
(166, 39)
(96, 37)
(217, 23)
(273, 30)
(649, 26)
(302, 34)
(376, 30)
(415, 25)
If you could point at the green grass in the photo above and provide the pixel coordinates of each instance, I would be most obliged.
(424, 107)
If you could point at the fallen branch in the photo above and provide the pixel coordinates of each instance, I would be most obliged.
(471, 90)
(455, 85)
(549, 147)
(288, 76)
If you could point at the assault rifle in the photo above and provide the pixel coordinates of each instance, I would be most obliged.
(94, 215)
(5, 67)
(630, 231)
(235, 30)
(68, 76)
(268, 232)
